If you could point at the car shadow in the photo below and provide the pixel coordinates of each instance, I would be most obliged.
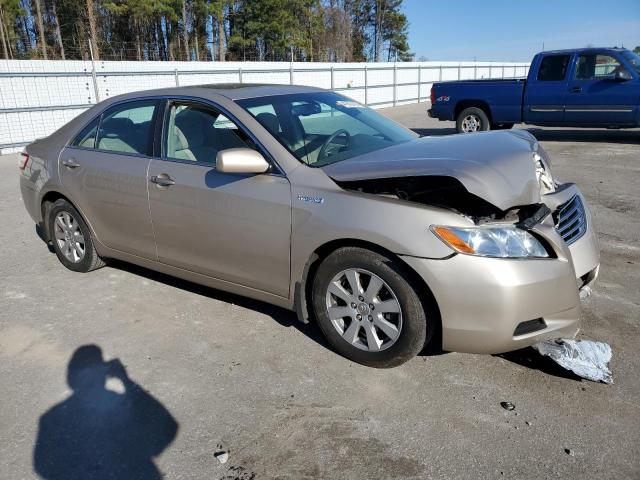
(282, 316)
(530, 358)
(631, 137)
(99, 433)
(42, 236)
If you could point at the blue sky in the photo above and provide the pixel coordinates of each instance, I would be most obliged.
(503, 30)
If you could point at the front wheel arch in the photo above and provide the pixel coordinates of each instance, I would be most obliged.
(303, 287)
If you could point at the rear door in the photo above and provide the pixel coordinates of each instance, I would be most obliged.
(104, 171)
(545, 94)
(595, 96)
(234, 227)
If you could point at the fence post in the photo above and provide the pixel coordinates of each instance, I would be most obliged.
(459, 72)
(395, 86)
(419, 82)
(502, 76)
(240, 74)
(332, 81)
(475, 71)
(291, 73)
(366, 85)
(175, 72)
(93, 74)
(440, 73)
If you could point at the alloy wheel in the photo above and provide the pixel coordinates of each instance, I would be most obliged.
(364, 310)
(471, 123)
(69, 237)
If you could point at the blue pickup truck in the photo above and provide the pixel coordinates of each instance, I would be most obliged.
(589, 87)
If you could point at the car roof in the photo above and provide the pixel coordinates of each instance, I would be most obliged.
(584, 50)
(233, 91)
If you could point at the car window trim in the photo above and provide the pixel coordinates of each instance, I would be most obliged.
(159, 154)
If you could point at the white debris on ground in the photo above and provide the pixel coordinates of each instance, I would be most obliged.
(222, 456)
(585, 358)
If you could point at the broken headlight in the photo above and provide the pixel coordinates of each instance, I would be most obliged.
(507, 241)
(543, 173)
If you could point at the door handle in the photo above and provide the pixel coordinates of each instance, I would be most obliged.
(576, 89)
(70, 163)
(162, 180)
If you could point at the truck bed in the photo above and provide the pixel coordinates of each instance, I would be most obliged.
(502, 96)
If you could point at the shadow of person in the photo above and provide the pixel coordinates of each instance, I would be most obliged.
(97, 433)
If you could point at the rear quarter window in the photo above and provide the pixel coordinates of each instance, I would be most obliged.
(553, 68)
(87, 137)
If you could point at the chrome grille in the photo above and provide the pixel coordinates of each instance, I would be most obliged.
(571, 221)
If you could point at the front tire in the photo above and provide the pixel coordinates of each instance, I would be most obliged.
(71, 238)
(367, 308)
(472, 120)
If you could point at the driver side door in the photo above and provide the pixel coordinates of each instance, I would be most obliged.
(233, 227)
(596, 97)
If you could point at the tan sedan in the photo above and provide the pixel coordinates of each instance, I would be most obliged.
(303, 198)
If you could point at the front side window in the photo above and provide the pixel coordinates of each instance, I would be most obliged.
(597, 67)
(197, 133)
(320, 128)
(127, 128)
(633, 59)
(553, 68)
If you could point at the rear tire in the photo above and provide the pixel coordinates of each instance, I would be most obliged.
(392, 332)
(71, 238)
(472, 120)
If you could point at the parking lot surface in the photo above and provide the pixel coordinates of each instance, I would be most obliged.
(215, 372)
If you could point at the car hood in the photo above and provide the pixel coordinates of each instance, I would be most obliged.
(495, 166)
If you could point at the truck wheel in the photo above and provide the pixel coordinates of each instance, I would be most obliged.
(471, 120)
(368, 309)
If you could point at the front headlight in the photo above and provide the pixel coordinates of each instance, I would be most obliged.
(506, 241)
(543, 174)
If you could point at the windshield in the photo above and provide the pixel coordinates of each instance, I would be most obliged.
(320, 128)
(632, 59)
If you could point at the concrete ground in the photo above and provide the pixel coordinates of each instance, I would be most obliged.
(241, 376)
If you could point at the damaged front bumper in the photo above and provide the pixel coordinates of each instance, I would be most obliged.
(495, 305)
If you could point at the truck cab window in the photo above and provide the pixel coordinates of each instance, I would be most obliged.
(597, 67)
(553, 68)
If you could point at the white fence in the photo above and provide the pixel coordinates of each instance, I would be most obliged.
(39, 96)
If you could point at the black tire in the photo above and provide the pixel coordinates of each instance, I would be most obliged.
(477, 113)
(90, 261)
(416, 331)
(502, 126)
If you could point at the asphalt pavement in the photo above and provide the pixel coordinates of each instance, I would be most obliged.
(207, 372)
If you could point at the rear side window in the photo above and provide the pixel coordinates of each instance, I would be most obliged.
(553, 68)
(127, 128)
(87, 137)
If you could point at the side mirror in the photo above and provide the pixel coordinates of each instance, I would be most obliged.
(241, 160)
(622, 76)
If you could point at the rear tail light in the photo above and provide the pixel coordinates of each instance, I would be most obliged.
(433, 95)
(23, 161)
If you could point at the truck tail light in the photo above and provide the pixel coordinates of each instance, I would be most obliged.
(23, 161)
(433, 94)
